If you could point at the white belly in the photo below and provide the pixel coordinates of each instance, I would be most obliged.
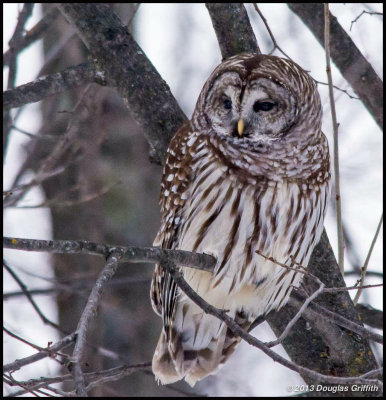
(259, 285)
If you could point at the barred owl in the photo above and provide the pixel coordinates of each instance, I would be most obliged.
(247, 176)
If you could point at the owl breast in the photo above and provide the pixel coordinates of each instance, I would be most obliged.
(239, 221)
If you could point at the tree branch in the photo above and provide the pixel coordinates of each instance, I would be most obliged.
(127, 68)
(354, 67)
(131, 254)
(34, 33)
(335, 125)
(14, 48)
(370, 316)
(233, 28)
(90, 310)
(49, 85)
(61, 344)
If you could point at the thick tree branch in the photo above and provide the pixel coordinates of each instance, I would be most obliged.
(127, 68)
(354, 67)
(49, 85)
(370, 316)
(233, 28)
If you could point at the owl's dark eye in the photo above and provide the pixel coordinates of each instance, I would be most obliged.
(263, 106)
(227, 104)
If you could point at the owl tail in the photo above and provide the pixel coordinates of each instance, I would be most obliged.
(173, 360)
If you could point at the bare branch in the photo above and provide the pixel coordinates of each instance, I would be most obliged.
(90, 309)
(275, 45)
(233, 28)
(49, 85)
(370, 316)
(132, 254)
(336, 147)
(14, 48)
(365, 265)
(340, 289)
(338, 88)
(94, 378)
(128, 69)
(364, 12)
(29, 297)
(346, 56)
(34, 33)
(16, 42)
(296, 317)
(47, 352)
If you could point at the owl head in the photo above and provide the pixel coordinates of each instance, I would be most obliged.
(258, 98)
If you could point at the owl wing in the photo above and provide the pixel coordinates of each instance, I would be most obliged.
(175, 179)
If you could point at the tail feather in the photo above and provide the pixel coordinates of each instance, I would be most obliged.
(163, 365)
(173, 360)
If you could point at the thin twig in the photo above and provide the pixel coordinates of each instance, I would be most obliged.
(377, 274)
(54, 202)
(338, 319)
(342, 289)
(364, 12)
(112, 373)
(276, 46)
(364, 268)
(90, 310)
(15, 44)
(47, 352)
(336, 148)
(34, 136)
(35, 33)
(338, 88)
(293, 321)
(29, 297)
(14, 48)
(34, 346)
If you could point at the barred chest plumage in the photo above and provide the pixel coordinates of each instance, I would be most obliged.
(239, 221)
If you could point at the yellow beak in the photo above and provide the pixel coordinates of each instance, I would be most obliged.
(240, 127)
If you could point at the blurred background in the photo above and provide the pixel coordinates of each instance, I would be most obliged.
(109, 191)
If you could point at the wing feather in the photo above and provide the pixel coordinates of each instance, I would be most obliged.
(175, 180)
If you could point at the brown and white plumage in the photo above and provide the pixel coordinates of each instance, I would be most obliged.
(248, 174)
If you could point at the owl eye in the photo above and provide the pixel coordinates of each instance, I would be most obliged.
(263, 106)
(227, 104)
